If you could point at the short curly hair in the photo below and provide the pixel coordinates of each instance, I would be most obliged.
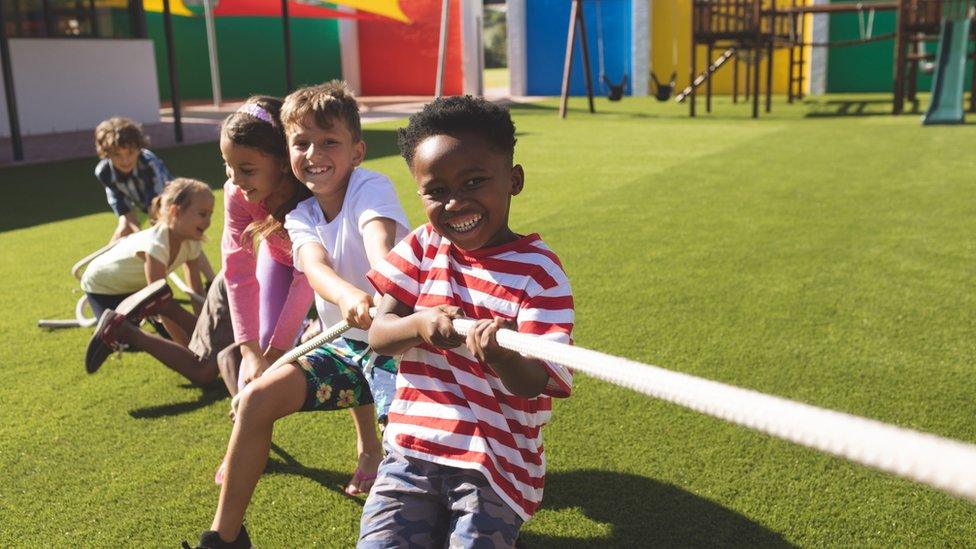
(118, 133)
(326, 103)
(455, 115)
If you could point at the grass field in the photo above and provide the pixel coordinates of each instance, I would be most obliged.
(825, 258)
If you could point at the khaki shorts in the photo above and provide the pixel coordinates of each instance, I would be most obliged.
(214, 330)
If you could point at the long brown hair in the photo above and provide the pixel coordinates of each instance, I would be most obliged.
(246, 129)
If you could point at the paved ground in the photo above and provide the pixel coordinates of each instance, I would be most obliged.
(201, 124)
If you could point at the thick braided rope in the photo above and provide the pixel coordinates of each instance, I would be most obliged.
(330, 333)
(942, 463)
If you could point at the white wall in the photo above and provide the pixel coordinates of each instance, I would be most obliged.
(73, 84)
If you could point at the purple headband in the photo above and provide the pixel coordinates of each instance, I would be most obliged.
(256, 111)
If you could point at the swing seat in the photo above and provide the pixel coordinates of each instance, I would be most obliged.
(663, 92)
(615, 91)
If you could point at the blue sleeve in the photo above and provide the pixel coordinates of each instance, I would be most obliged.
(161, 173)
(114, 197)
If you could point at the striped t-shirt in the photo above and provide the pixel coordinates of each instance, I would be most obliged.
(452, 409)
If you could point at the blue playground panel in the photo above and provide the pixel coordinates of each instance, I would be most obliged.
(546, 25)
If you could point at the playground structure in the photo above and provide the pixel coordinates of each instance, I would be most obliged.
(754, 30)
(923, 20)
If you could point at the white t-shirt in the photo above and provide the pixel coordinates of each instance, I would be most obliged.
(370, 195)
(121, 270)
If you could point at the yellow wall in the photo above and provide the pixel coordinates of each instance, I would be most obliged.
(671, 19)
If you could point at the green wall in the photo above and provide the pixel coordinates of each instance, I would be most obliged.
(868, 67)
(251, 54)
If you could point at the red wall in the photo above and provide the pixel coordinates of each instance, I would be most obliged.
(401, 58)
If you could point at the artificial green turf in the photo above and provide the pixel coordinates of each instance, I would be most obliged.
(824, 258)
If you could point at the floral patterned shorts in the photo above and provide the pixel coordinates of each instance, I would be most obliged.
(346, 373)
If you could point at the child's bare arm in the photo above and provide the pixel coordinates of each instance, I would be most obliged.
(154, 268)
(352, 302)
(128, 224)
(379, 236)
(523, 376)
(397, 328)
(192, 271)
(205, 268)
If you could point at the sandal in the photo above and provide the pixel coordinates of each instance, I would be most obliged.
(358, 479)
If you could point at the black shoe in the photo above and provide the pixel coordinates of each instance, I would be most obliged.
(210, 540)
(104, 341)
(145, 302)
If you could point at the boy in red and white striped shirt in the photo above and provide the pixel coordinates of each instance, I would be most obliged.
(465, 459)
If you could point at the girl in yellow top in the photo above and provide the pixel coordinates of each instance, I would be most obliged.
(183, 213)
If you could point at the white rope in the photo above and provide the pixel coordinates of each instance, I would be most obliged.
(329, 334)
(941, 463)
(185, 288)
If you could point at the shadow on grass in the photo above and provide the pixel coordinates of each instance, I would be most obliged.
(55, 191)
(208, 395)
(830, 108)
(288, 465)
(644, 513)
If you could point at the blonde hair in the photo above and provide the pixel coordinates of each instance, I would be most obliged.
(179, 192)
(118, 133)
(326, 103)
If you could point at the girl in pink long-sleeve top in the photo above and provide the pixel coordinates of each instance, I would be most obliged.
(268, 298)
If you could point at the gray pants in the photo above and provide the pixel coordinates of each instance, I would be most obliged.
(416, 503)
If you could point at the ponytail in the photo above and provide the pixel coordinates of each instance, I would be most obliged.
(154, 207)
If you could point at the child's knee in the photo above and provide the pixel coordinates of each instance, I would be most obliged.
(257, 402)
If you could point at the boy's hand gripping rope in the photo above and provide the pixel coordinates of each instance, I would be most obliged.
(941, 463)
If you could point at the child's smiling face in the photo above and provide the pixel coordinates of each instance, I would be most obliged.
(323, 158)
(192, 221)
(257, 174)
(466, 186)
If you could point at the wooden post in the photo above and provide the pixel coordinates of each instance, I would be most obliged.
(912, 77)
(748, 83)
(769, 76)
(735, 78)
(789, 75)
(756, 54)
(586, 56)
(972, 92)
(568, 62)
(708, 82)
(694, 60)
(900, 54)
